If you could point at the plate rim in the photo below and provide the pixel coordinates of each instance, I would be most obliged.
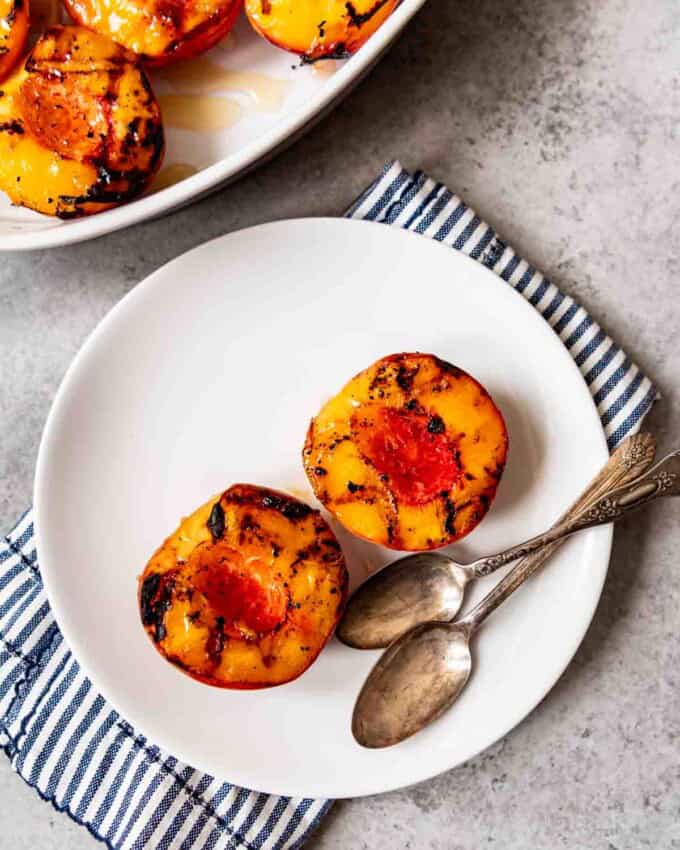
(148, 207)
(601, 537)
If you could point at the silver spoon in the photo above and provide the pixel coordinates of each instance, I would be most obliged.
(431, 586)
(423, 673)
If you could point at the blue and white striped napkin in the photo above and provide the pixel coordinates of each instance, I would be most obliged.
(70, 745)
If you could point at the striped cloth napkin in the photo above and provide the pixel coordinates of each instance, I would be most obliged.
(65, 740)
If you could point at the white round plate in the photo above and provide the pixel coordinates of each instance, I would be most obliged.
(258, 97)
(207, 374)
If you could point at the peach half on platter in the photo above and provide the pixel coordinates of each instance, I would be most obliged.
(247, 591)
(80, 128)
(408, 454)
(159, 31)
(318, 29)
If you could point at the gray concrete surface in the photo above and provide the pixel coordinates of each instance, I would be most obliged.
(560, 121)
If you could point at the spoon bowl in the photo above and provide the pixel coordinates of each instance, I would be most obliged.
(415, 681)
(416, 589)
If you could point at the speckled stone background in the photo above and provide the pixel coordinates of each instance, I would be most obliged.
(559, 120)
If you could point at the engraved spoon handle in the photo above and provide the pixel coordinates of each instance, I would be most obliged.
(609, 507)
(626, 464)
(662, 480)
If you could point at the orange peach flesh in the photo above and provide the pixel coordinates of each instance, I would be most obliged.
(408, 454)
(247, 591)
(318, 29)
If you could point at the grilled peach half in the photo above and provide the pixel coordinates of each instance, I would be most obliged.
(14, 24)
(80, 128)
(247, 591)
(408, 454)
(160, 31)
(318, 29)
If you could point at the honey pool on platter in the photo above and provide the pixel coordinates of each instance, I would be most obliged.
(204, 95)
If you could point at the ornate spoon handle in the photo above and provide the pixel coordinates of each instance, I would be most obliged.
(633, 457)
(636, 455)
(662, 480)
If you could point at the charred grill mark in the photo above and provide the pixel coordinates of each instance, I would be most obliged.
(163, 605)
(449, 368)
(178, 26)
(57, 64)
(216, 522)
(12, 127)
(379, 379)
(337, 51)
(368, 496)
(392, 527)
(414, 406)
(147, 594)
(155, 597)
(358, 19)
(249, 524)
(155, 139)
(449, 514)
(320, 27)
(436, 425)
(300, 556)
(71, 206)
(296, 510)
(215, 643)
(132, 136)
(406, 376)
(271, 501)
(354, 488)
(289, 507)
(320, 471)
